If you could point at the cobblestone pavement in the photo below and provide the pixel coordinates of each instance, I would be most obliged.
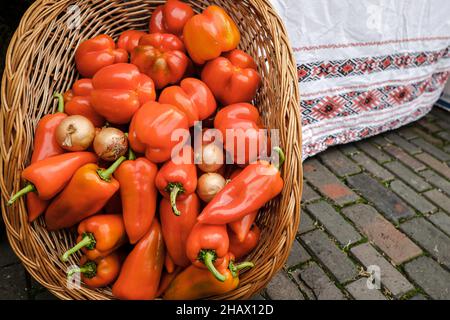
(379, 204)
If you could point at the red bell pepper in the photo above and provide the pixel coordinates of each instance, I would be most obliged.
(96, 53)
(232, 78)
(176, 229)
(119, 91)
(177, 179)
(207, 246)
(193, 97)
(161, 56)
(241, 248)
(151, 130)
(78, 102)
(170, 17)
(129, 40)
(210, 33)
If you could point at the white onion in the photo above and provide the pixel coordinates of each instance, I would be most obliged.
(110, 144)
(211, 158)
(209, 184)
(75, 133)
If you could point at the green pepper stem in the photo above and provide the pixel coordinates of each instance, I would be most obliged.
(87, 241)
(89, 270)
(208, 260)
(105, 174)
(60, 101)
(235, 268)
(27, 189)
(281, 157)
(174, 189)
(131, 154)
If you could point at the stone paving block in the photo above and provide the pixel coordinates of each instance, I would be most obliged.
(439, 199)
(384, 199)
(372, 167)
(309, 194)
(404, 173)
(329, 254)
(428, 138)
(431, 149)
(317, 280)
(382, 233)
(430, 276)
(430, 238)
(379, 140)
(404, 157)
(418, 297)
(327, 183)
(441, 220)
(7, 256)
(334, 223)
(390, 277)
(402, 143)
(306, 223)
(430, 126)
(298, 255)
(373, 151)
(360, 291)
(282, 288)
(12, 283)
(407, 133)
(348, 148)
(257, 297)
(445, 135)
(440, 167)
(436, 180)
(338, 163)
(412, 198)
(307, 292)
(45, 295)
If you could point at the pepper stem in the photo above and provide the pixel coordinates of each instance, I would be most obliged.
(131, 154)
(27, 189)
(105, 174)
(60, 101)
(235, 268)
(281, 157)
(87, 241)
(174, 189)
(208, 257)
(89, 269)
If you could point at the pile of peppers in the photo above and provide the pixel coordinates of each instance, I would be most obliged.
(142, 229)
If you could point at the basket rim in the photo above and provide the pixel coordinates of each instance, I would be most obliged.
(17, 236)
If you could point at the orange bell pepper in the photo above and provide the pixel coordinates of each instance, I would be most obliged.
(119, 91)
(141, 271)
(98, 236)
(100, 272)
(151, 130)
(193, 97)
(241, 248)
(78, 102)
(177, 179)
(169, 265)
(248, 140)
(44, 146)
(257, 184)
(196, 283)
(129, 40)
(138, 193)
(166, 280)
(206, 247)
(161, 56)
(49, 176)
(210, 33)
(176, 229)
(96, 53)
(170, 17)
(86, 194)
(232, 78)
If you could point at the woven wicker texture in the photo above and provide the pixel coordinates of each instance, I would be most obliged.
(40, 61)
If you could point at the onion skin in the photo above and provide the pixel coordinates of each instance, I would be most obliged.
(75, 133)
(110, 144)
(209, 184)
(211, 158)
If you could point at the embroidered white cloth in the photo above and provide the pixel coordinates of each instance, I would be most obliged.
(365, 66)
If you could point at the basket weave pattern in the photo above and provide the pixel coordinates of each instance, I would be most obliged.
(40, 61)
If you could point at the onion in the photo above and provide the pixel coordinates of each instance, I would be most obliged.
(211, 158)
(209, 184)
(75, 133)
(110, 144)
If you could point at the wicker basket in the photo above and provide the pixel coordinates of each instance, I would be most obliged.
(40, 61)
